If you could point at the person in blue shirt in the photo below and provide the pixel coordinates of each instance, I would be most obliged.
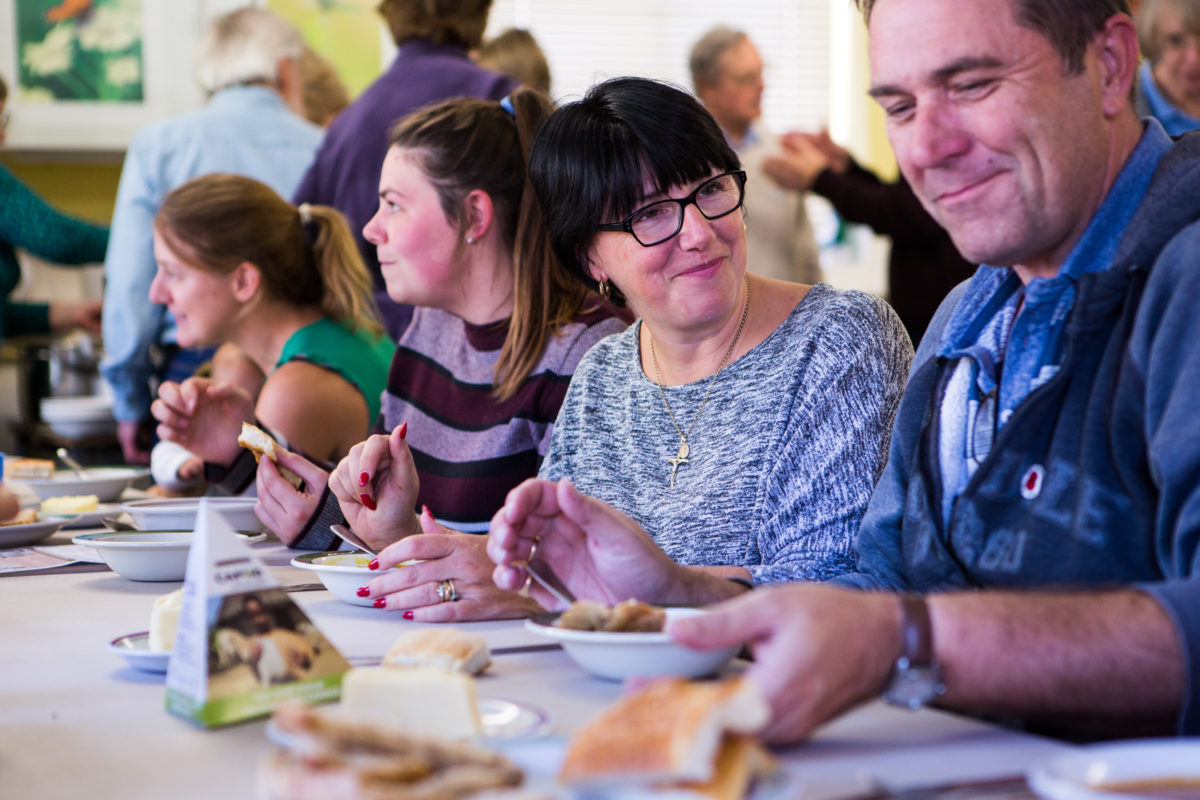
(249, 65)
(1168, 86)
(1031, 550)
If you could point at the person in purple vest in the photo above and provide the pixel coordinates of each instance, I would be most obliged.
(433, 65)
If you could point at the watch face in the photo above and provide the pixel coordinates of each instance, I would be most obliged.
(914, 686)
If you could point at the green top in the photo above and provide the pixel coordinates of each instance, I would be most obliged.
(358, 356)
(30, 223)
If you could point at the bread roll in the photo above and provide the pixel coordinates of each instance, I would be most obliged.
(257, 441)
(447, 649)
(669, 733)
(24, 517)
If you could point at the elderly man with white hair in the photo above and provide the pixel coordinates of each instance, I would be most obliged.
(249, 65)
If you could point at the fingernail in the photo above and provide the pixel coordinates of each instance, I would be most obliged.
(425, 511)
(380, 602)
(362, 479)
(374, 564)
(363, 591)
(366, 500)
(403, 430)
(407, 615)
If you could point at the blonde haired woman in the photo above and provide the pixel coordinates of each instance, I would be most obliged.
(238, 263)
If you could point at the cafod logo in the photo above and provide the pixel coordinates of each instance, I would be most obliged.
(229, 573)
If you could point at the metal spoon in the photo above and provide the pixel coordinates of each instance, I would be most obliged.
(65, 457)
(114, 524)
(560, 592)
(349, 536)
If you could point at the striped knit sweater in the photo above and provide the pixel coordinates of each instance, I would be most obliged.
(469, 448)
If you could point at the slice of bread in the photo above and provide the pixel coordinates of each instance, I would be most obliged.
(257, 441)
(447, 649)
(669, 732)
(28, 469)
(24, 517)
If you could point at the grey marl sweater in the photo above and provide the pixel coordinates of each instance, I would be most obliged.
(783, 458)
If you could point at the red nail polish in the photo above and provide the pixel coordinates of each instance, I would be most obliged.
(407, 615)
(366, 500)
(363, 591)
(374, 564)
(403, 430)
(380, 602)
(425, 512)
(363, 479)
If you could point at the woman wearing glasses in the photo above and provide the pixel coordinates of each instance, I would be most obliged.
(742, 421)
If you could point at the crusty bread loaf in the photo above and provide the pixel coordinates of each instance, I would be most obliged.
(257, 441)
(670, 732)
(24, 517)
(440, 648)
(28, 469)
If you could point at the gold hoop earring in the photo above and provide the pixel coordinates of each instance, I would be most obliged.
(605, 289)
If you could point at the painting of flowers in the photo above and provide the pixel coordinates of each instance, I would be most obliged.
(83, 50)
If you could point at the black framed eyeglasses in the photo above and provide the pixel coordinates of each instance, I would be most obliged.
(654, 224)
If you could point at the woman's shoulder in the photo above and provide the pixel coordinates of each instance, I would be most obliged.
(597, 326)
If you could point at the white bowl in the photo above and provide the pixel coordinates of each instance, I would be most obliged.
(179, 513)
(1097, 771)
(142, 555)
(618, 656)
(106, 483)
(342, 574)
(146, 555)
(75, 417)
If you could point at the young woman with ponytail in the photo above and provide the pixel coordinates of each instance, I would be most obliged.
(238, 263)
(479, 374)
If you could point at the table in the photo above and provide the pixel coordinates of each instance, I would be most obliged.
(76, 722)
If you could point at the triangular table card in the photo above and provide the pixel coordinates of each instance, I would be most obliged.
(242, 645)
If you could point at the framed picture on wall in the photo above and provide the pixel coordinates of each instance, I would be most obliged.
(87, 74)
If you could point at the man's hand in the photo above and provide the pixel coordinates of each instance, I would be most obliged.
(204, 417)
(68, 315)
(135, 442)
(818, 651)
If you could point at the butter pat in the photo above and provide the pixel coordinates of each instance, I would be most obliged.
(430, 702)
(70, 504)
(164, 619)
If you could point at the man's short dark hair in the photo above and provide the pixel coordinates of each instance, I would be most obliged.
(591, 161)
(1067, 24)
(459, 23)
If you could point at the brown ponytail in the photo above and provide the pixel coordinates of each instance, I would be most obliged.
(218, 221)
(467, 144)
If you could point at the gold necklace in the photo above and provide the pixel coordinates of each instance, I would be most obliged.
(681, 455)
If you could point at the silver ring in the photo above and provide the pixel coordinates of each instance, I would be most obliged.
(446, 591)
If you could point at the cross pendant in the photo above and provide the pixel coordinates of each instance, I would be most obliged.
(681, 457)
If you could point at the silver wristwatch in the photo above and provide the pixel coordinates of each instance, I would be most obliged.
(917, 677)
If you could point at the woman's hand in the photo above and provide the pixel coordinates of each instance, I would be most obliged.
(445, 555)
(68, 315)
(282, 507)
(376, 485)
(596, 551)
(204, 417)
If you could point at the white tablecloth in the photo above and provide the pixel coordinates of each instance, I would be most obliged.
(76, 722)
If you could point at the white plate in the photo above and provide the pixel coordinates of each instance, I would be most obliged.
(107, 483)
(135, 649)
(1084, 774)
(21, 535)
(91, 519)
(617, 656)
(774, 785)
(503, 720)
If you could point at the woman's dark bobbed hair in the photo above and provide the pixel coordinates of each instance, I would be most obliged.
(592, 159)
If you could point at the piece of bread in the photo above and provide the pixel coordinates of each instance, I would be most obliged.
(164, 620)
(24, 517)
(257, 441)
(440, 648)
(630, 616)
(28, 469)
(670, 732)
(332, 756)
(70, 504)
